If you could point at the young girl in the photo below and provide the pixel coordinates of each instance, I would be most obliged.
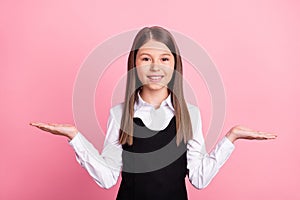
(154, 137)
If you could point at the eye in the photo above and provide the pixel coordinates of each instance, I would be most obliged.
(145, 59)
(165, 59)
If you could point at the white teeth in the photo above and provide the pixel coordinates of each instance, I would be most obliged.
(155, 77)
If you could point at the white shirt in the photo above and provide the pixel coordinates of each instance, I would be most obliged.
(105, 168)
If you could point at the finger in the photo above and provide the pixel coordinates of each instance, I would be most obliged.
(244, 128)
(54, 124)
(45, 126)
(267, 136)
(256, 134)
(44, 129)
(34, 123)
(48, 128)
(270, 136)
(38, 124)
(266, 133)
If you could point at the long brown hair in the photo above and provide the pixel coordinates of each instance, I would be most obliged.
(175, 86)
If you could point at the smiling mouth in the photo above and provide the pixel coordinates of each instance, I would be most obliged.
(155, 78)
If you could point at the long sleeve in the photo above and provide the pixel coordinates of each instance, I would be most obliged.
(104, 168)
(202, 166)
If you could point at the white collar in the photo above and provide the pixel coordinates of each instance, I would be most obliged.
(140, 103)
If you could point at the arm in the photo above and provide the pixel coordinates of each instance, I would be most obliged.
(104, 168)
(203, 166)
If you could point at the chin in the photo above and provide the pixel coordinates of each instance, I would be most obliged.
(155, 87)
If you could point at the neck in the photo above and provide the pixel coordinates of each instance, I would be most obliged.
(154, 97)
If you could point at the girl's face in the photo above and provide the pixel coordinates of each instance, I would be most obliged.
(155, 65)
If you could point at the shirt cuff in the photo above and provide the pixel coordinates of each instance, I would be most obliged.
(74, 140)
(227, 143)
(224, 148)
(82, 146)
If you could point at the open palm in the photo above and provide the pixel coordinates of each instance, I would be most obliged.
(57, 129)
(242, 132)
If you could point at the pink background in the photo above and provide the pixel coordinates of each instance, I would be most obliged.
(255, 45)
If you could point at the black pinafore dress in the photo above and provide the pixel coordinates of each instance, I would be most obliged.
(154, 167)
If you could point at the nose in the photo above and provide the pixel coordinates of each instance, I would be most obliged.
(155, 65)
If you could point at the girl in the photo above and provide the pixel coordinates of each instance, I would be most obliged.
(154, 137)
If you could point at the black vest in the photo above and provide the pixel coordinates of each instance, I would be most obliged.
(154, 167)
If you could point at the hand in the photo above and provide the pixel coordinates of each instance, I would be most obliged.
(241, 132)
(57, 129)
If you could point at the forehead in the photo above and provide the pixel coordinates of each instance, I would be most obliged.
(154, 46)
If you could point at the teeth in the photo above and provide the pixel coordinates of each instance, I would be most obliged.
(155, 77)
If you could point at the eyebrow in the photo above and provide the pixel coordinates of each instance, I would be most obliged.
(166, 54)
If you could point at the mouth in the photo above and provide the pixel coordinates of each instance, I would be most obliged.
(155, 78)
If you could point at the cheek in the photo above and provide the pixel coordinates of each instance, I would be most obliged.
(140, 73)
(137, 63)
(169, 71)
(171, 68)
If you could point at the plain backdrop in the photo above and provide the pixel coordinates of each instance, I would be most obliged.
(255, 45)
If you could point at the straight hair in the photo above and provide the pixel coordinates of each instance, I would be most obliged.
(175, 86)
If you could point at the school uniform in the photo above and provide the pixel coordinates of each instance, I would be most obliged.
(154, 167)
(139, 181)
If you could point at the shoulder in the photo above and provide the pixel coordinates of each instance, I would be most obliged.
(116, 112)
(193, 111)
(196, 120)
